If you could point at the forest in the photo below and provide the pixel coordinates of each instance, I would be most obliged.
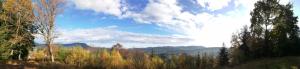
(271, 41)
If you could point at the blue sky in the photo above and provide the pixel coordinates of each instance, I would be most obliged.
(145, 23)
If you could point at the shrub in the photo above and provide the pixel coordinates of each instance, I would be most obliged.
(38, 55)
(62, 54)
(78, 56)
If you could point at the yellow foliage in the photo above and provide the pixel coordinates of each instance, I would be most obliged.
(37, 55)
(13, 6)
(104, 55)
(112, 60)
(116, 61)
(117, 58)
(156, 61)
(78, 56)
(147, 62)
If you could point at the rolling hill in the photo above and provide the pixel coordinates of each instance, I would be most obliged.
(162, 50)
(174, 50)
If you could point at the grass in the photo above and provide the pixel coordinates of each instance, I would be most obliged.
(272, 63)
(16, 64)
(267, 63)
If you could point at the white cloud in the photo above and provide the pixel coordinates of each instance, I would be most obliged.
(204, 28)
(108, 36)
(168, 14)
(207, 29)
(249, 4)
(219, 28)
(213, 5)
(285, 1)
(112, 7)
(164, 10)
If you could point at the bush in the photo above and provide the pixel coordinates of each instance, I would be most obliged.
(38, 55)
(62, 54)
(78, 56)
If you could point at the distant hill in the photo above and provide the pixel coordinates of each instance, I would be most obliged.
(70, 45)
(161, 50)
(83, 45)
(175, 50)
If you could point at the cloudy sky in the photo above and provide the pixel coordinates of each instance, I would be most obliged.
(148, 23)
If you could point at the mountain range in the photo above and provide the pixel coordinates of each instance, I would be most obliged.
(189, 50)
(161, 50)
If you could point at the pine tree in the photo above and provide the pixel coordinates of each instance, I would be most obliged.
(223, 56)
(240, 50)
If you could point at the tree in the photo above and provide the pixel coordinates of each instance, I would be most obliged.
(157, 62)
(116, 60)
(285, 32)
(104, 57)
(262, 21)
(245, 38)
(207, 61)
(223, 56)
(4, 52)
(17, 28)
(240, 50)
(273, 33)
(276, 25)
(118, 46)
(45, 12)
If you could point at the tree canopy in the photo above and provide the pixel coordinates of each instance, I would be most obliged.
(273, 32)
(16, 28)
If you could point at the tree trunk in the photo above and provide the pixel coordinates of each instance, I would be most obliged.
(50, 52)
(19, 57)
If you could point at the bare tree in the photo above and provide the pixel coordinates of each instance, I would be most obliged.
(45, 12)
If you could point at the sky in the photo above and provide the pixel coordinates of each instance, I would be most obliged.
(152, 23)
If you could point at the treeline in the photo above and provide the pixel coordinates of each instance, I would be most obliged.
(119, 58)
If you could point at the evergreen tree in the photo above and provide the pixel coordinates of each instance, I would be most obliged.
(223, 56)
(240, 50)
